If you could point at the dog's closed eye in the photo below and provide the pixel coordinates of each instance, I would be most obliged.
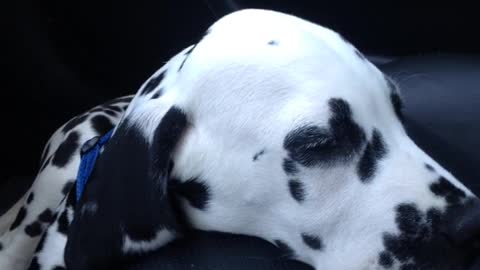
(310, 144)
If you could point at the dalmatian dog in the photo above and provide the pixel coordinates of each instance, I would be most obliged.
(269, 126)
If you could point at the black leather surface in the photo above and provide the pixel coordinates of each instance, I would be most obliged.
(217, 251)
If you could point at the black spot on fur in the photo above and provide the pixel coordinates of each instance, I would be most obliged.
(385, 259)
(46, 216)
(314, 242)
(395, 99)
(421, 242)
(152, 84)
(273, 43)
(63, 223)
(187, 54)
(45, 164)
(67, 187)
(444, 188)
(306, 143)
(374, 151)
(345, 131)
(434, 216)
(257, 155)
(59, 268)
(101, 124)
(284, 248)
(34, 229)
(193, 190)
(157, 94)
(74, 123)
(72, 198)
(312, 145)
(30, 198)
(41, 243)
(34, 264)
(409, 219)
(289, 166)
(44, 155)
(1, 246)
(296, 190)
(429, 167)
(397, 104)
(20, 217)
(66, 150)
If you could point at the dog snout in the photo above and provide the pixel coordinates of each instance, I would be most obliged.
(463, 230)
(464, 226)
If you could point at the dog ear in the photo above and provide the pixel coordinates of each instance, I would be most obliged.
(125, 208)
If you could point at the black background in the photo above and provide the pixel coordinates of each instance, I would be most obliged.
(62, 57)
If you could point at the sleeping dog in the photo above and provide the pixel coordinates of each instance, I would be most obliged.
(269, 126)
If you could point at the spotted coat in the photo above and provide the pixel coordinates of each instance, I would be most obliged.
(270, 126)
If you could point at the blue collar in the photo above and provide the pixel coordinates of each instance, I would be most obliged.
(89, 154)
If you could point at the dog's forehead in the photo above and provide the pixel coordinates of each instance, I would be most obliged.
(268, 63)
(267, 79)
(259, 78)
(255, 47)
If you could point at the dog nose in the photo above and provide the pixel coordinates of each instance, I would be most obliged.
(463, 226)
(463, 229)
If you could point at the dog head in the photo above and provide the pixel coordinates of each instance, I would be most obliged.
(292, 135)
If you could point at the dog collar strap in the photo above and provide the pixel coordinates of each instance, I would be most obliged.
(89, 154)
